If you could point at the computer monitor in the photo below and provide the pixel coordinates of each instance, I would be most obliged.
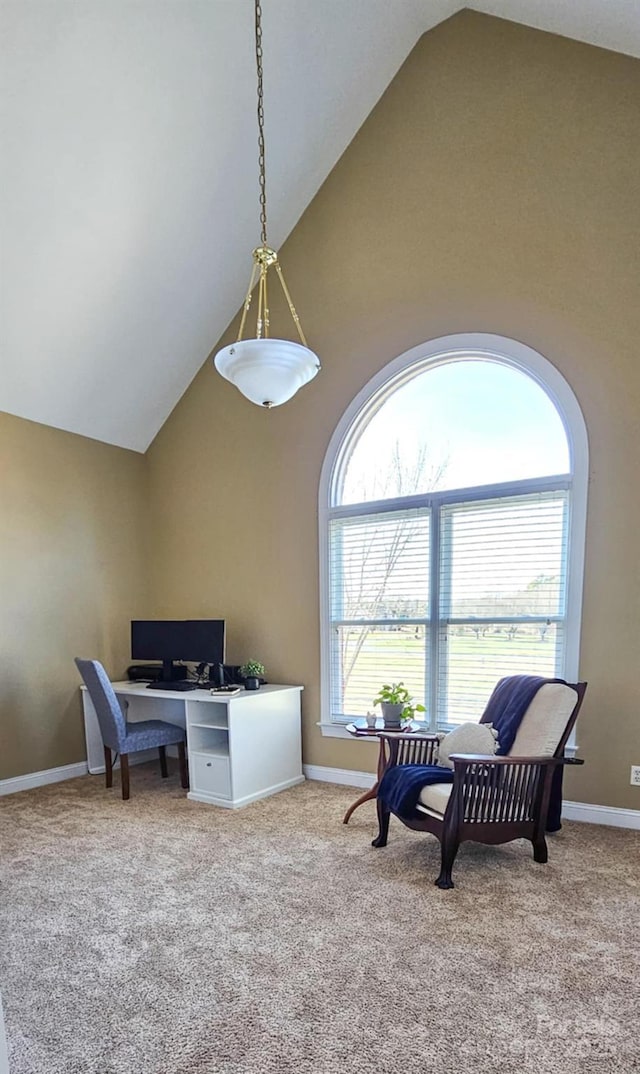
(198, 640)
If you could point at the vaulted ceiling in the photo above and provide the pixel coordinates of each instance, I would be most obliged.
(129, 194)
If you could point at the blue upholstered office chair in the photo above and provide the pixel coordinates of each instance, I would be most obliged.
(124, 738)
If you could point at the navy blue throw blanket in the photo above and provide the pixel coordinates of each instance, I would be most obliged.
(401, 785)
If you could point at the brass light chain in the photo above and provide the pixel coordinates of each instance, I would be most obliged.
(263, 256)
(261, 154)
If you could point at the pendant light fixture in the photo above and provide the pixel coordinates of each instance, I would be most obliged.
(267, 371)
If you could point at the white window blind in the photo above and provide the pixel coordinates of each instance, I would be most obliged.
(503, 572)
(379, 606)
(474, 589)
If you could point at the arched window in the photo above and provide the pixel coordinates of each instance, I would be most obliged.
(452, 520)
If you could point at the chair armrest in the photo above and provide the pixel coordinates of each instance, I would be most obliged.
(489, 789)
(464, 759)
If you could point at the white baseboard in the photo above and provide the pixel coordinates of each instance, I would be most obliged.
(72, 771)
(339, 775)
(581, 811)
(39, 779)
(601, 814)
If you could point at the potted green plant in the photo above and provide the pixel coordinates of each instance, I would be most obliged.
(252, 672)
(396, 704)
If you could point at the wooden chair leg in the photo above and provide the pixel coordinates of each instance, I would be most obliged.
(384, 815)
(182, 761)
(108, 767)
(164, 771)
(540, 852)
(448, 850)
(124, 775)
(539, 843)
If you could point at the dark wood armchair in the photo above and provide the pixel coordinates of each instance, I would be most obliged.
(495, 799)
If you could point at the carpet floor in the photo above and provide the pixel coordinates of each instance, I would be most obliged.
(161, 936)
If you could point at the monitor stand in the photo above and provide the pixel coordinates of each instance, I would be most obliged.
(171, 672)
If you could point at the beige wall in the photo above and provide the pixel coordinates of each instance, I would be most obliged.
(494, 188)
(72, 566)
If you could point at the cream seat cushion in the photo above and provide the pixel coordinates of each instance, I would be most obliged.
(544, 722)
(434, 799)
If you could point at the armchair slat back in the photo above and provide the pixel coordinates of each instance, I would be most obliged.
(399, 748)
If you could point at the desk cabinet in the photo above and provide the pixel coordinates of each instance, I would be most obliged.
(240, 748)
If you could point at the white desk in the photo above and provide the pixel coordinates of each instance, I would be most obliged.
(240, 748)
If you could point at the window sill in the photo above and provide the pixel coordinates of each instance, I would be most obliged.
(339, 730)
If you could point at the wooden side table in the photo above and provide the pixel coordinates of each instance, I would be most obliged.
(406, 736)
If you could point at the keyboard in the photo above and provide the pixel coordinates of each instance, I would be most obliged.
(179, 686)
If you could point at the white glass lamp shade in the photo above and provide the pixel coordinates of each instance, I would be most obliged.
(267, 371)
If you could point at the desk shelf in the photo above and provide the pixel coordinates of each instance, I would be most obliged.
(203, 738)
(211, 726)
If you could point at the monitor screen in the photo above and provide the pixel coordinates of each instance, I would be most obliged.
(199, 640)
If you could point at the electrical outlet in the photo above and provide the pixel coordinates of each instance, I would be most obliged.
(635, 775)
